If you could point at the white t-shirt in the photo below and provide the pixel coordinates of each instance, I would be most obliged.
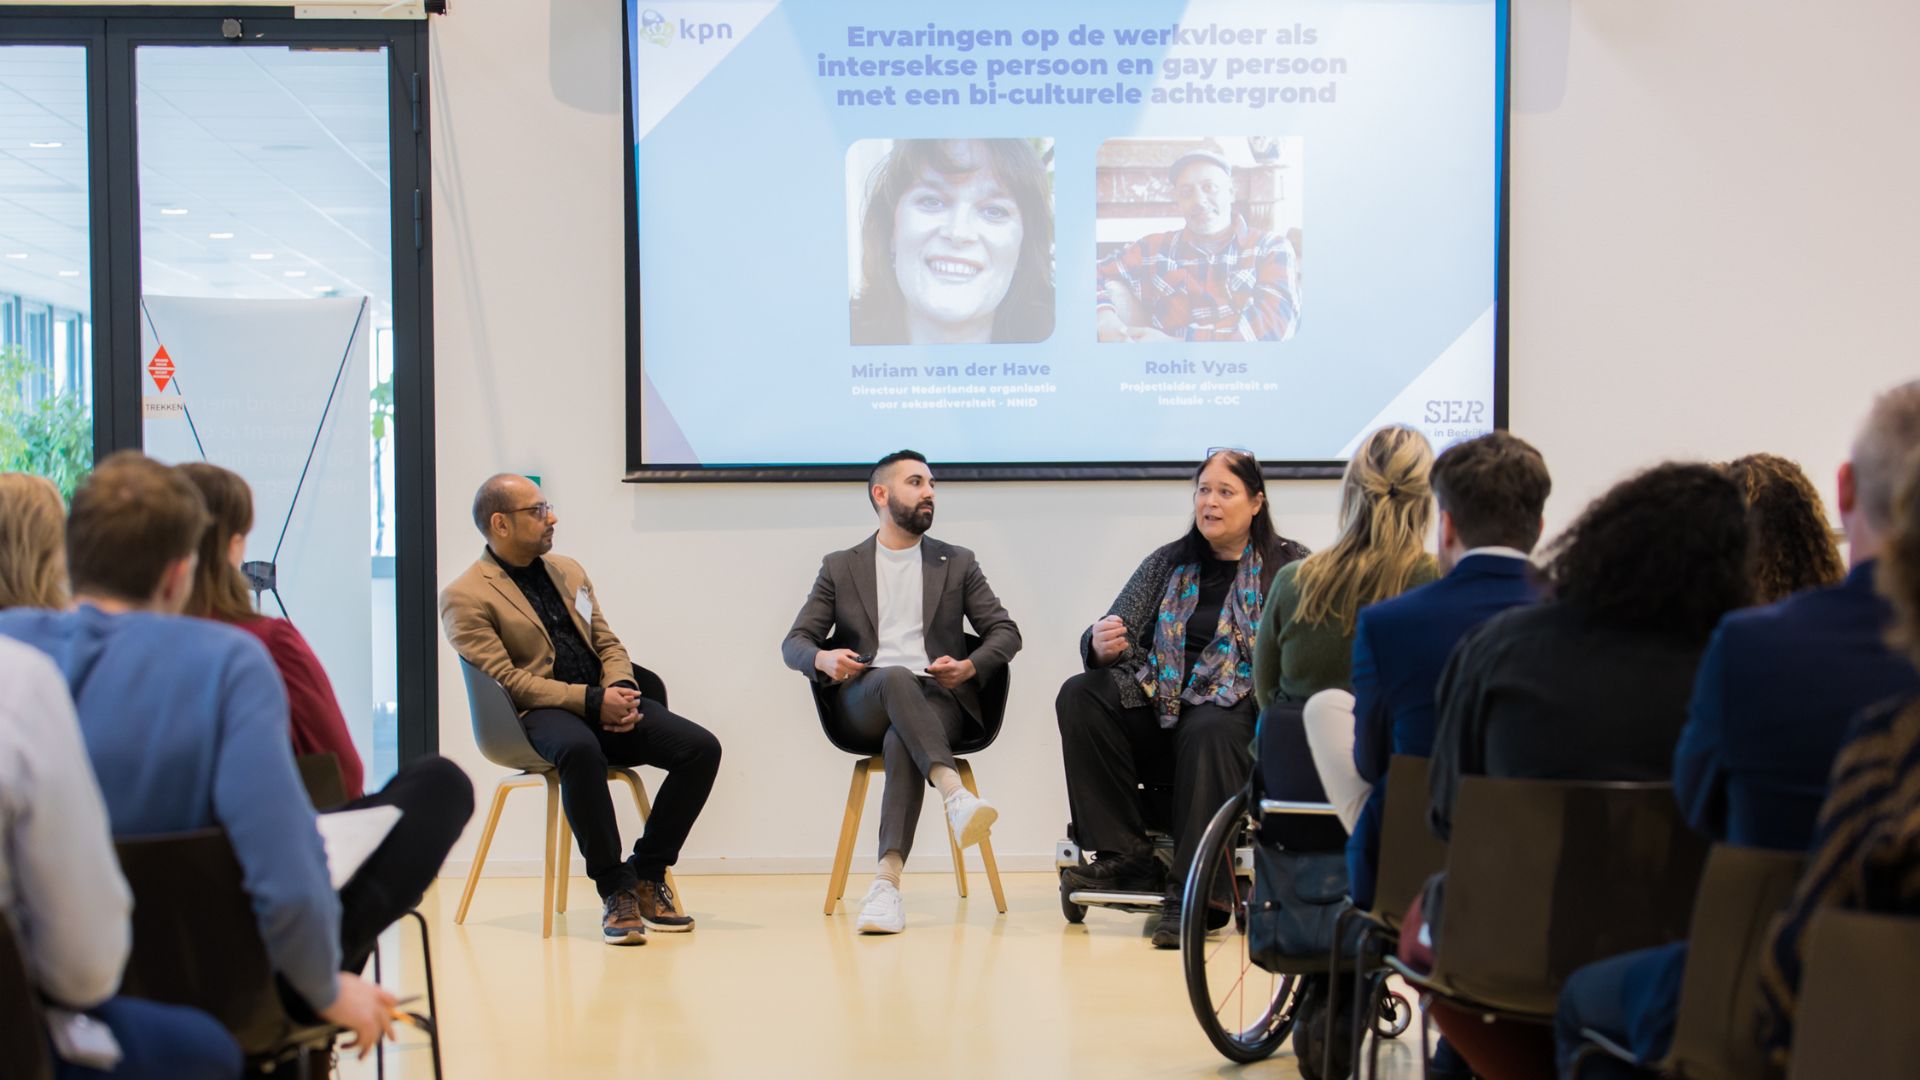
(901, 592)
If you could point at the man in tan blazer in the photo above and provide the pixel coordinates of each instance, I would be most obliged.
(530, 619)
(883, 626)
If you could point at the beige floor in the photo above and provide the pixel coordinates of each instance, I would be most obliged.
(769, 986)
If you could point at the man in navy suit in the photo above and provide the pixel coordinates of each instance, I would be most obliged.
(1774, 696)
(1490, 492)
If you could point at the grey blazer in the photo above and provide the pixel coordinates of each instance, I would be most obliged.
(842, 612)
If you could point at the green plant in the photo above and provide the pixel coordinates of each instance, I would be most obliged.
(381, 404)
(50, 437)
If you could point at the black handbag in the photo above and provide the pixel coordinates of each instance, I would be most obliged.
(1297, 896)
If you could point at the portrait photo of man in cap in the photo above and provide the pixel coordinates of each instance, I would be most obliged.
(1231, 271)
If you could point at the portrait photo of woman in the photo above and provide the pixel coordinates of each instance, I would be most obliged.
(954, 241)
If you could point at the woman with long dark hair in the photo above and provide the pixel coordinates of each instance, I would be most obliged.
(220, 593)
(1793, 547)
(956, 245)
(1168, 686)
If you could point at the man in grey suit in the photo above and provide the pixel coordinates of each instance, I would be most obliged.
(883, 625)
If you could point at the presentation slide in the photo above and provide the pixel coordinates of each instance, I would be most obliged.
(1065, 233)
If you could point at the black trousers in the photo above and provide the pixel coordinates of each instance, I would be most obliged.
(581, 751)
(918, 722)
(1111, 749)
(435, 799)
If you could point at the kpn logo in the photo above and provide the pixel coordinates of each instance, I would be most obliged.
(662, 31)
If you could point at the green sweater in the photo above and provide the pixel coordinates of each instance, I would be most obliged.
(1292, 661)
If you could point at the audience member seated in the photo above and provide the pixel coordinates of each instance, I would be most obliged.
(185, 721)
(1168, 687)
(531, 620)
(220, 592)
(1773, 698)
(61, 889)
(33, 569)
(1490, 493)
(882, 626)
(1591, 684)
(1305, 643)
(1865, 849)
(434, 796)
(1793, 545)
(1303, 652)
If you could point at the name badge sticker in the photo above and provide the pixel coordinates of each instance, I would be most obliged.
(583, 604)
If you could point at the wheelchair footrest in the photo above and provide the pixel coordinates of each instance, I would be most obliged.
(1091, 897)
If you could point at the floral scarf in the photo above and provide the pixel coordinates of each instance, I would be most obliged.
(1224, 673)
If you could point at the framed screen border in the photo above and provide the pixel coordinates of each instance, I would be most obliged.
(639, 471)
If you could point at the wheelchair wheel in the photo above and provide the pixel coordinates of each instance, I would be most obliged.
(1245, 1011)
(1395, 1014)
(1075, 913)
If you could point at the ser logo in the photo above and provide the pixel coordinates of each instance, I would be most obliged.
(656, 28)
(1445, 411)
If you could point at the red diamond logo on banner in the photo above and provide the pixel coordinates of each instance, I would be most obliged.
(161, 368)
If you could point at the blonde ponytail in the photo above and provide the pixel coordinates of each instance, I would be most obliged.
(1386, 504)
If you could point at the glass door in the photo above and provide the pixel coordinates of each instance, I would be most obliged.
(46, 302)
(264, 206)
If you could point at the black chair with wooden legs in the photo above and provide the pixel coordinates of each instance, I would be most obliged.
(993, 708)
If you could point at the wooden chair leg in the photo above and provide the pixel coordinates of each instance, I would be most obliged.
(551, 836)
(849, 830)
(562, 862)
(986, 844)
(480, 853)
(959, 860)
(645, 807)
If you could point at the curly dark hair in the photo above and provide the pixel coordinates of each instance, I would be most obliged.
(1899, 567)
(1664, 551)
(1793, 547)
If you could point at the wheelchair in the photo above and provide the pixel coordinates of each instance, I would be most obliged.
(1248, 1008)
(1156, 809)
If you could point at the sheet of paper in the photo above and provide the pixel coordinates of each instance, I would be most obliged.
(350, 837)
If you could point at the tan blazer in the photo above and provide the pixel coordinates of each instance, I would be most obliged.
(490, 624)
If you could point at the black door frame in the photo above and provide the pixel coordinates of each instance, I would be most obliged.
(111, 35)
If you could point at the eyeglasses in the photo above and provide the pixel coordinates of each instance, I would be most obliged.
(539, 509)
(1205, 187)
(1212, 450)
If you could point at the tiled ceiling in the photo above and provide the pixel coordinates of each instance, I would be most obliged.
(284, 149)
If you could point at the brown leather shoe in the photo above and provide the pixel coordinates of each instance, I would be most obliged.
(657, 908)
(621, 924)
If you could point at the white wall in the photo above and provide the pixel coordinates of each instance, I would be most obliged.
(1712, 216)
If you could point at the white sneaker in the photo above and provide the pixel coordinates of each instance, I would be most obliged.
(882, 912)
(971, 817)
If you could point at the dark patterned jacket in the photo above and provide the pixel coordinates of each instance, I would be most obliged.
(1138, 605)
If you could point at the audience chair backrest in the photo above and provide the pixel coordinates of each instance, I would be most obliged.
(195, 941)
(1855, 1017)
(1546, 876)
(496, 723)
(326, 785)
(1409, 852)
(993, 713)
(23, 1031)
(1717, 1033)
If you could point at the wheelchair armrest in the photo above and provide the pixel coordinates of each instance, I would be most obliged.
(1605, 1045)
(1289, 806)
